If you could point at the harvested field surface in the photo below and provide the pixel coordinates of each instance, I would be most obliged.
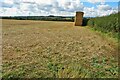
(41, 49)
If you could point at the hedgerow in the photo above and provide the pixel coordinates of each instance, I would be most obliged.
(106, 24)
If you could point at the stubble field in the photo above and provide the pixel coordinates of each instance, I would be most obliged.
(41, 49)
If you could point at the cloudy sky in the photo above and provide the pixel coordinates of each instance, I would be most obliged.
(91, 8)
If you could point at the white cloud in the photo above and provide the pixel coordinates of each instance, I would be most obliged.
(104, 7)
(71, 6)
(44, 1)
(100, 10)
(96, 1)
(90, 12)
(55, 7)
(24, 6)
(12, 11)
(27, 1)
(8, 1)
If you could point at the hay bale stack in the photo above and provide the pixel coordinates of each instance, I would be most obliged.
(79, 18)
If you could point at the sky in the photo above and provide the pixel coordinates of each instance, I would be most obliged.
(91, 8)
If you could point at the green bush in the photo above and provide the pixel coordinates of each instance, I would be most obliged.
(85, 20)
(105, 24)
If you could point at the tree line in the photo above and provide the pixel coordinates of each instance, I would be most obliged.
(43, 18)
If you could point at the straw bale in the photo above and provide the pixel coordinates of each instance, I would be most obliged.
(79, 18)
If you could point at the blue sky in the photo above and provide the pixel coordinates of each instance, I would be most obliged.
(112, 4)
(91, 8)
